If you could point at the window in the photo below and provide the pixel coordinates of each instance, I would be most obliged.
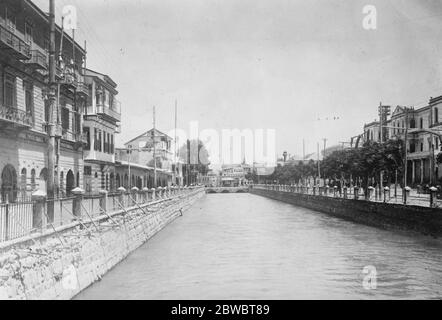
(10, 19)
(112, 144)
(412, 123)
(437, 142)
(87, 132)
(47, 110)
(28, 32)
(87, 170)
(10, 92)
(105, 142)
(65, 118)
(422, 147)
(95, 140)
(421, 123)
(108, 144)
(77, 122)
(412, 147)
(29, 100)
(100, 147)
(436, 115)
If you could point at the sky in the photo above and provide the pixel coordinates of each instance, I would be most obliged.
(286, 65)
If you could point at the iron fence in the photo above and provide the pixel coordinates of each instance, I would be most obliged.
(21, 218)
(414, 197)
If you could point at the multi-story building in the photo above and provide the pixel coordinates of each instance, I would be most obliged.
(233, 175)
(142, 154)
(101, 123)
(24, 105)
(422, 143)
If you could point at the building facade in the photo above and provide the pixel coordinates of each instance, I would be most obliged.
(142, 151)
(24, 105)
(423, 142)
(101, 123)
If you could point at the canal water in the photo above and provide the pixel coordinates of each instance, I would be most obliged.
(243, 246)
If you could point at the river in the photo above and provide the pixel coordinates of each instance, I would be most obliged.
(243, 246)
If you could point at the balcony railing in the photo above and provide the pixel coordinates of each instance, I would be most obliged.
(39, 60)
(66, 77)
(103, 110)
(83, 88)
(18, 47)
(15, 116)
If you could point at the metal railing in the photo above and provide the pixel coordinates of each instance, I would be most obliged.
(114, 114)
(14, 42)
(20, 219)
(16, 116)
(15, 220)
(388, 194)
(39, 58)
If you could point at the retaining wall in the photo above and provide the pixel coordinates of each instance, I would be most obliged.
(384, 215)
(59, 265)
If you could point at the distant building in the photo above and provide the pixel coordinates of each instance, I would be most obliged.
(233, 175)
(137, 156)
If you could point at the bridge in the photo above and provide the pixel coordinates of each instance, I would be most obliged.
(240, 189)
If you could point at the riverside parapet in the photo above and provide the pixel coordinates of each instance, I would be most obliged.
(60, 264)
(424, 220)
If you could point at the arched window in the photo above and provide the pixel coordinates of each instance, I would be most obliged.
(118, 182)
(70, 183)
(62, 183)
(9, 184)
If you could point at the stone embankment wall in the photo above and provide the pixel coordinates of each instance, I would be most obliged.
(63, 262)
(384, 215)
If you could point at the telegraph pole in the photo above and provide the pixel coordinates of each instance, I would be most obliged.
(303, 149)
(406, 155)
(381, 177)
(52, 107)
(319, 166)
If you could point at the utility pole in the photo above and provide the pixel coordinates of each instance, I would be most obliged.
(381, 176)
(52, 107)
(175, 151)
(154, 152)
(323, 153)
(406, 155)
(303, 149)
(319, 166)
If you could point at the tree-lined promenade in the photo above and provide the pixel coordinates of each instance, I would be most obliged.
(352, 167)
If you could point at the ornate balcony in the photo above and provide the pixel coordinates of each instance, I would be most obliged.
(83, 89)
(14, 44)
(39, 60)
(13, 117)
(113, 114)
(66, 77)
